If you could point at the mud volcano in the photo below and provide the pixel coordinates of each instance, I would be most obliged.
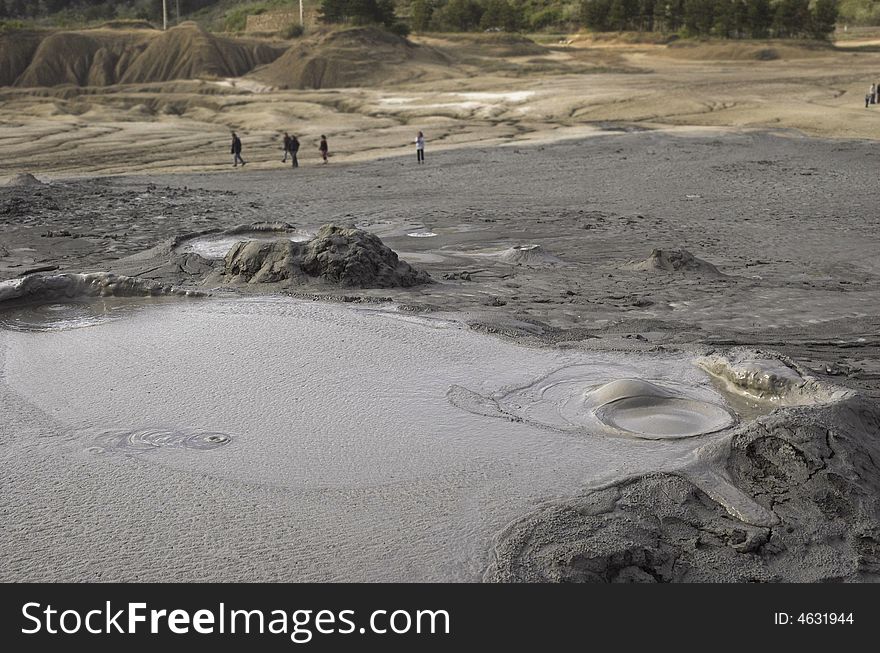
(651, 411)
(23, 179)
(528, 255)
(675, 260)
(341, 256)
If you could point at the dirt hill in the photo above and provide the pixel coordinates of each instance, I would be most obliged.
(102, 57)
(355, 57)
(188, 51)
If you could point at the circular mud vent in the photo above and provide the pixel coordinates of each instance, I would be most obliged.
(151, 439)
(647, 410)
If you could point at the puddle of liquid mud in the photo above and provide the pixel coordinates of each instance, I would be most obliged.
(75, 313)
(357, 414)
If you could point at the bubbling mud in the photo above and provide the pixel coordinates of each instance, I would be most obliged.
(651, 411)
(576, 400)
(146, 440)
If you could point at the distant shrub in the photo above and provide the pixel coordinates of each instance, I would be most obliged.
(547, 17)
(400, 28)
(292, 31)
(235, 20)
(12, 25)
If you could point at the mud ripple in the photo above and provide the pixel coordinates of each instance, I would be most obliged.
(150, 439)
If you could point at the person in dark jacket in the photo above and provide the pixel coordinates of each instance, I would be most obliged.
(286, 147)
(324, 148)
(294, 148)
(236, 151)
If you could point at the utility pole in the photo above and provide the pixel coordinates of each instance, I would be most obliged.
(301, 24)
(164, 15)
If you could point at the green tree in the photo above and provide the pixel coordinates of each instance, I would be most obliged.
(646, 15)
(791, 18)
(623, 14)
(421, 14)
(824, 18)
(759, 18)
(333, 11)
(502, 14)
(595, 13)
(459, 15)
(724, 24)
(668, 15)
(359, 12)
(699, 16)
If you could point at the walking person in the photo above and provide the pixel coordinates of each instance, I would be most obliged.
(324, 148)
(236, 151)
(286, 146)
(420, 148)
(873, 93)
(294, 148)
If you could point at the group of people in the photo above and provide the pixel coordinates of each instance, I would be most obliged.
(291, 144)
(873, 95)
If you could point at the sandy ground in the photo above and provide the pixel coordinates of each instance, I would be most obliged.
(568, 91)
(446, 432)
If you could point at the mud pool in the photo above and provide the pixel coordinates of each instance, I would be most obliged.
(323, 442)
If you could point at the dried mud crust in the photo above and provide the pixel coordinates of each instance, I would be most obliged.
(89, 224)
(814, 468)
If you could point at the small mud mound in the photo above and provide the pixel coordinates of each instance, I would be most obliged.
(23, 179)
(189, 52)
(528, 255)
(342, 256)
(675, 260)
(151, 439)
(363, 56)
(813, 468)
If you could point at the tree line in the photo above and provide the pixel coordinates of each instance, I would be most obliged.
(720, 18)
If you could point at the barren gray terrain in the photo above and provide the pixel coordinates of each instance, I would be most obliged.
(633, 254)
